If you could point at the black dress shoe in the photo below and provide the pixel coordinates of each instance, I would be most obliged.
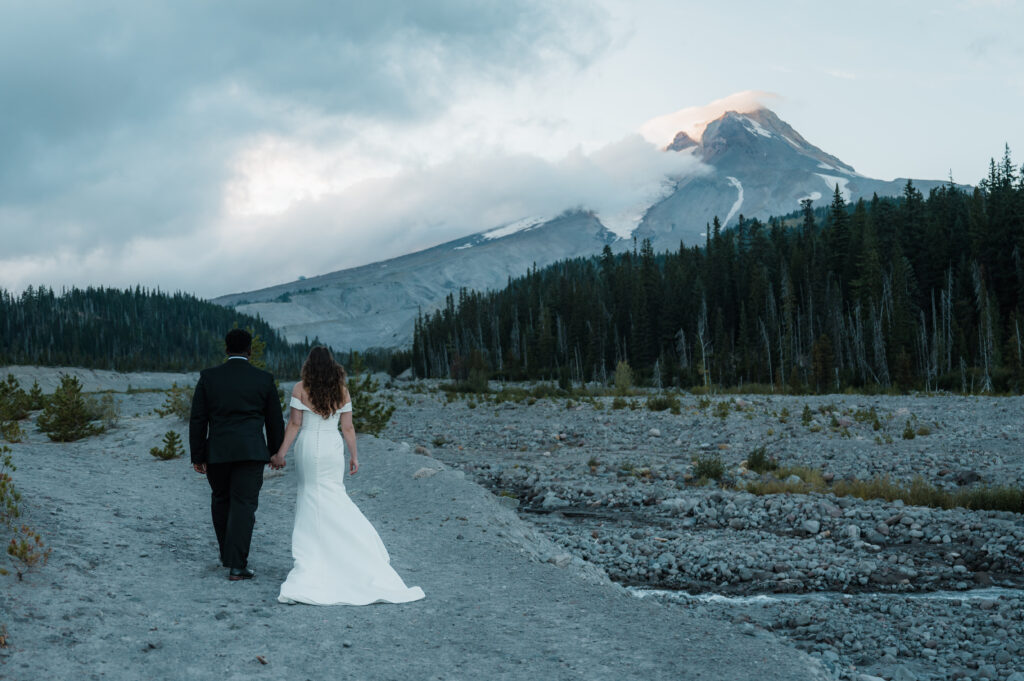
(237, 574)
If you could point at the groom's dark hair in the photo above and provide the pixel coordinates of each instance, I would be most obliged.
(238, 342)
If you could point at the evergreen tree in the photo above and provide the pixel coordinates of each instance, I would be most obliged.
(67, 416)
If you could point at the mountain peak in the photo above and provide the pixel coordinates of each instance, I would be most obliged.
(693, 120)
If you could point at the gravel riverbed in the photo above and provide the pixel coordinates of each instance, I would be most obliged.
(615, 488)
(133, 589)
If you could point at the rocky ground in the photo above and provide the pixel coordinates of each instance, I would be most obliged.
(133, 588)
(617, 489)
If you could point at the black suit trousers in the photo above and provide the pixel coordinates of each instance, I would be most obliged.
(235, 488)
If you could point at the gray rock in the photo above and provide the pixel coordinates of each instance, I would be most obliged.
(988, 671)
(424, 473)
(811, 526)
(903, 674)
(560, 560)
(551, 500)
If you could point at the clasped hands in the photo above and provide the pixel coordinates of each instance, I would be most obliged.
(277, 461)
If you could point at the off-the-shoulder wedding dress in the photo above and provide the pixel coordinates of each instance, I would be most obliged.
(339, 557)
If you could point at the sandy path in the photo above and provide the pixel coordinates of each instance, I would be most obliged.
(134, 590)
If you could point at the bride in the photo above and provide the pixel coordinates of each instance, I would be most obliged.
(339, 558)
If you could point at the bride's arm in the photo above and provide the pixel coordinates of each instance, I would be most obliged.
(290, 432)
(348, 433)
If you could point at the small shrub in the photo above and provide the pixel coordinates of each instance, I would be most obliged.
(619, 403)
(105, 409)
(14, 402)
(36, 398)
(784, 415)
(11, 431)
(811, 476)
(9, 497)
(865, 415)
(722, 409)
(471, 404)
(759, 461)
(806, 416)
(704, 402)
(172, 448)
(67, 418)
(370, 412)
(439, 441)
(923, 431)
(25, 547)
(708, 466)
(478, 380)
(178, 402)
(908, 431)
(27, 550)
(623, 378)
(663, 402)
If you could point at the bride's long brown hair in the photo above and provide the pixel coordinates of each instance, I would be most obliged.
(323, 379)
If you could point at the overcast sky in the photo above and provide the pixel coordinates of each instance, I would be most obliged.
(216, 147)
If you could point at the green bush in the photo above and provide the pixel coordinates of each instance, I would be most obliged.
(623, 378)
(9, 497)
(722, 409)
(619, 403)
(759, 461)
(370, 412)
(24, 546)
(178, 402)
(708, 466)
(663, 402)
(104, 409)
(14, 402)
(36, 398)
(172, 448)
(11, 431)
(67, 417)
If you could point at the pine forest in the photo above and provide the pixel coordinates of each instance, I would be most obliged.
(128, 330)
(906, 293)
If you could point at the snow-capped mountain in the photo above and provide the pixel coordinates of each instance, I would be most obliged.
(762, 167)
(756, 165)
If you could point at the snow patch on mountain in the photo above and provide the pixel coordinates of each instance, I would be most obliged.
(513, 227)
(832, 181)
(739, 201)
(754, 127)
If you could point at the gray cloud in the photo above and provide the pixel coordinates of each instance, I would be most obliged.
(120, 119)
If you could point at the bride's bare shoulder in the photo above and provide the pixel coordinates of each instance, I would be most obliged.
(299, 390)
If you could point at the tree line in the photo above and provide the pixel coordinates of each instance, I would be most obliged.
(907, 292)
(129, 330)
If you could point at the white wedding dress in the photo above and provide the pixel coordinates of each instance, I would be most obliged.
(339, 557)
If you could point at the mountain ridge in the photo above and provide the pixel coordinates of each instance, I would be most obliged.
(757, 164)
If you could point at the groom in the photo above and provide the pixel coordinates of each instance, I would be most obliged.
(231, 406)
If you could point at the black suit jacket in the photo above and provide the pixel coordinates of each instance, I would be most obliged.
(231, 406)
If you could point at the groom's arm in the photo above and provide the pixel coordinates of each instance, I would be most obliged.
(273, 419)
(198, 424)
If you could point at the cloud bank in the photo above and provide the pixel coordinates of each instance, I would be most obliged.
(125, 126)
